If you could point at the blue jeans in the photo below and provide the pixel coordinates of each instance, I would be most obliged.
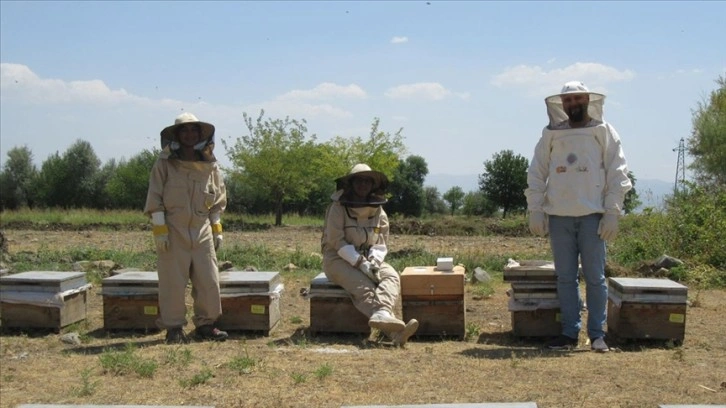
(570, 238)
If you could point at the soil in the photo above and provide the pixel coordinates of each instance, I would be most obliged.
(291, 367)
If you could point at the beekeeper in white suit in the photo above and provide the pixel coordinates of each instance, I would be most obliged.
(185, 200)
(577, 182)
(354, 247)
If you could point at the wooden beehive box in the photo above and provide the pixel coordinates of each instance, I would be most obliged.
(130, 301)
(43, 299)
(530, 271)
(644, 308)
(535, 318)
(436, 299)
(332, 309)
(250, 300)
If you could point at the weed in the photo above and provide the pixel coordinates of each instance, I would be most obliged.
(176, 356)
(197, 379)
(87, 386)
(514, 360)
(472, 331)
(299, 378)
(323, 371)
(482, 290)
(126, 361)
(296, 320)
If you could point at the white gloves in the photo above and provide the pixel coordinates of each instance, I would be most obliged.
(608, 228)
(216, 230)
(160, 231)
(352, 256)
(369, 270)
(538, 223)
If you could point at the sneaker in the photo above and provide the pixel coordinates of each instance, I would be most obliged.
(209, 332)
(562, 342)
(383, 321)
(599, 345)
(400, 338)
(176, 335)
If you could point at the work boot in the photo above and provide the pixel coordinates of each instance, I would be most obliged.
(385, 322)
(400, 338)
(176, 335)
(562, 342)
(209, 332)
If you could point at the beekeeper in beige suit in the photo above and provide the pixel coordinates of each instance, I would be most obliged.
(185, 201)
(354, 246)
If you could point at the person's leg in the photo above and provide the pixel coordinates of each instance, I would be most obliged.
(173, 272)
(374, 304)
(205, 287)
(593, 269)
(563, 241)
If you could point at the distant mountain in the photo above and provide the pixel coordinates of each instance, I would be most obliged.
(652, 192)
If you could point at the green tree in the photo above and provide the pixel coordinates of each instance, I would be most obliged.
(632, 199)
(71, 180)
(707, 144)
(276, 156)
(407, 195)
(127, 186)
(476, 203)
(504, 180)
(17, 178)
(455, 197)
(433, 204)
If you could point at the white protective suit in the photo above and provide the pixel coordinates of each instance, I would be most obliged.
(365, 231)
(577, 171)
(189, 194)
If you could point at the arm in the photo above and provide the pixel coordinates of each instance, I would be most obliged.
(379, 250)
(617, 182)
(538, 173)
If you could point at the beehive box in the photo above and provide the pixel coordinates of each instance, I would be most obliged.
(644, 308)
(540, 318)
(130, 301)
(530, 271)
(43, 299)
(436, 299)
(332, 309)
(250, 301)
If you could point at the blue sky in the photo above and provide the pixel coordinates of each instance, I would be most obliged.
(465, 80)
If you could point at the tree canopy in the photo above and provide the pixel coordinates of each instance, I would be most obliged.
(504, 181)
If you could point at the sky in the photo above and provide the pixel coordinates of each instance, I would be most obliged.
(463, 80)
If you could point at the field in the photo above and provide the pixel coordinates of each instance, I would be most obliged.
(291, 368)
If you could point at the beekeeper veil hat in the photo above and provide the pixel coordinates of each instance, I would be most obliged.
(557, 113)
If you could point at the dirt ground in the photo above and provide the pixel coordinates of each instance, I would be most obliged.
(293, 368)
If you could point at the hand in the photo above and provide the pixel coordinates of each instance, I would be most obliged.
(161, 238)
(608, 228)
(370, 270)
(217, 235)
(538, 223)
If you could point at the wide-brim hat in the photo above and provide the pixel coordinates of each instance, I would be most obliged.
(556, 111)
(169, 132)
(380, 181)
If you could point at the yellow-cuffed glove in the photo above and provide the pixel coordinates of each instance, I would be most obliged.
(161, 238)
(217, 235)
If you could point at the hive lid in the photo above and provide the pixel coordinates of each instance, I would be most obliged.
(42, 281)
(246, 282)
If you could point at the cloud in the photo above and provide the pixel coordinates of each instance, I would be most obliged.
(430, 91)
(21, 83)
(399, 40)
(326, 90)
(538, 80)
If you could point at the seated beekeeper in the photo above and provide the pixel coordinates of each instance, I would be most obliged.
(185, 201)
(354, 246)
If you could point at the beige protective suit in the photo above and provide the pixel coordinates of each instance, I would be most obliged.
(366, 228)
(188, 192)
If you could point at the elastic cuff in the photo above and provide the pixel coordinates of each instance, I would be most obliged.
(160, 230)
